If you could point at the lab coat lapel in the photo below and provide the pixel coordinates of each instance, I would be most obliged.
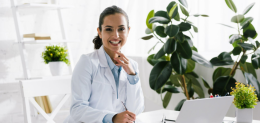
(108, 72)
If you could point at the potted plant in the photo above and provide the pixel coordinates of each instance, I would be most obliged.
(174, 63)
(56, 57)
(244, 47)
(245, 100)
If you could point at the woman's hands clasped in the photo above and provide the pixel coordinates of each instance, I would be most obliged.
(125, 63)
(124, 117)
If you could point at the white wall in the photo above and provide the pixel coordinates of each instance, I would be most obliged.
(79, 22)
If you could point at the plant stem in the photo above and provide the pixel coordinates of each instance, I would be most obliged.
(185, 87)
(157, 37)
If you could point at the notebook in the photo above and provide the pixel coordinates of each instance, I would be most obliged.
(209, 110)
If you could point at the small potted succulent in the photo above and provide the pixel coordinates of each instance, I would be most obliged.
(56, 57)
(245, 100)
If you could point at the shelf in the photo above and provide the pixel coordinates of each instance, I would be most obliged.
(44, 77)
(42, 6)
(48, 41)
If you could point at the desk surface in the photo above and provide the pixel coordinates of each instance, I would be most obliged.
(156, 116)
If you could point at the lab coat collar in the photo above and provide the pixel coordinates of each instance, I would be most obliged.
(102, 57)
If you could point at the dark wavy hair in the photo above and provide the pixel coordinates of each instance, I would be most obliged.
(108, 11)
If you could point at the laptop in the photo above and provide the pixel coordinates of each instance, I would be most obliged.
(209, 110)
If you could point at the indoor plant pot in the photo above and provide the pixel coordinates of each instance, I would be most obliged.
(56, 67)
(245, 100)
(244, 115)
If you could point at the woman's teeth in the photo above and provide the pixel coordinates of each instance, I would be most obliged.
(115, 42)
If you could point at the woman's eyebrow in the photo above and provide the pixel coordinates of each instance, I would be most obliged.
(121, 26)
(109, 26)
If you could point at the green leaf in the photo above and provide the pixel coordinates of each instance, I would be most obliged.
(257, 44)
(255, 62)
(167, 99)
(160, 74)
(158, 19)
(178, 63)
(162, 14)
(172, 9)
(170, 46)
(147, 37)
(179, 106)
(190, 66)
(175, 80)
(246, 46)
(205, 83)
(160, 31)
(148, 31)
(153, 61)
(177, 17)
(227, 25)
(190, 89)
(251, 80)
(184, 11)
(231, 5)
(184, 3)
(248, 67)
(200, 60)
(171, 89)
(236, 50)
(243, 59)
(248, 8)
(195, 28)
(223, 85)
(196, 85)
(249, 31)
(180, 37)
(221, 71)
(193, 74)
(246, 20)
(223, 58)
(150, 15)
(237, 18)
(184, 26)
(172, 30)
(187, 38)
(160, 53)
(184, 50)
(204, 15)
(234, 37)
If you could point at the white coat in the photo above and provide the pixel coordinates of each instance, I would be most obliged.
(94, 90)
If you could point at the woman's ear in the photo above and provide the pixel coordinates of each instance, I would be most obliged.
(129, 29)
(99, 33)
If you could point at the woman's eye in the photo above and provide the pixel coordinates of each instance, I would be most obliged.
(108, 29)
(121, 29)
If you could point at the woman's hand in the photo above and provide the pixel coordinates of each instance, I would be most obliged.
(125, 63)
(124, 117)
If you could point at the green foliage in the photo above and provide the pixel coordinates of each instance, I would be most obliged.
(174, 63)
(223, 77)
(55, 53)
(244, 96)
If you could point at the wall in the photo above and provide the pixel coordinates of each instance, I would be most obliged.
(79, 22)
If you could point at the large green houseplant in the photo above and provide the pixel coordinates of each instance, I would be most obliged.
(244, 47)
(174, 63)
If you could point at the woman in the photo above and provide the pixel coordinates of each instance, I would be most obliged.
(106, 80)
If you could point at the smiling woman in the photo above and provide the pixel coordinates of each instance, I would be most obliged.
(106, 78)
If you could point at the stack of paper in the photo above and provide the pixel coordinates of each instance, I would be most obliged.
(38, 36)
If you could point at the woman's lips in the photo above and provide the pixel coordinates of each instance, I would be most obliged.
(115, 43)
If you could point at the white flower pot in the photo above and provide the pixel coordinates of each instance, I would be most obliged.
(244, 115)
(57, 68)
(256, 111)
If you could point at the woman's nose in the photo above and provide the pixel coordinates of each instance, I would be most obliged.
(116, 34)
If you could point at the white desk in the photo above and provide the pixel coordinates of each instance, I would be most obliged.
(156, 116)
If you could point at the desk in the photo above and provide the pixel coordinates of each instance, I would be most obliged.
(156, 116)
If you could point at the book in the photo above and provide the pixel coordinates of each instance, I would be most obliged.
(40, 102)
(38, 36)
(45, 103)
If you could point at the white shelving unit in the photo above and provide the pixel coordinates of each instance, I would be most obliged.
(19, 33)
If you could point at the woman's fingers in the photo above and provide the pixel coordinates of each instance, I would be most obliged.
(121, 55)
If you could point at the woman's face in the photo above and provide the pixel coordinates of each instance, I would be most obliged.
(114, 32)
